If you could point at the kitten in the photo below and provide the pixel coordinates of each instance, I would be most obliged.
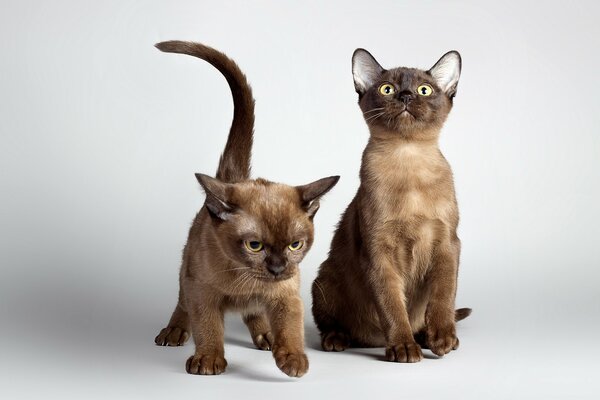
(244, 247)
(390, 278)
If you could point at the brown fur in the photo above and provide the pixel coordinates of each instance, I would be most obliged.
(218, 272)
(390, 278)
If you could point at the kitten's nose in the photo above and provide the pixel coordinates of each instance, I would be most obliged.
(406, 97)
(276, 269)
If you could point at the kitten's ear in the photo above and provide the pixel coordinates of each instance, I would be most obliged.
(312, 193)
(365, 70)
(217, 196)
(447, 71)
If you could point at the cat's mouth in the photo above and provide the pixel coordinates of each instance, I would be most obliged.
(273, 278)
(406, 113)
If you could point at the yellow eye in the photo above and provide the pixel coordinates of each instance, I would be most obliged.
(425, 90)
(386, 89)
(253, 245)
(297, 245)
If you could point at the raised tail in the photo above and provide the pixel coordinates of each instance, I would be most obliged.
(234, 165)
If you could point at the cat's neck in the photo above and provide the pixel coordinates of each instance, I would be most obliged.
(383, 140)
(390, 158)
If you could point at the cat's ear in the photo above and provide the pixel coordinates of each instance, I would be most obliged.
(311, 193)
(446, 72)
(365, 70)
(217, 196)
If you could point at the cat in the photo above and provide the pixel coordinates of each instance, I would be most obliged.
(244, 247)
(391, 275)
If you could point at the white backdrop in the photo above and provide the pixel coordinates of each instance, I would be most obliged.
(101, 134)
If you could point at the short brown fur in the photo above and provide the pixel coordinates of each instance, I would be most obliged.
(219, 272)
(390, 278)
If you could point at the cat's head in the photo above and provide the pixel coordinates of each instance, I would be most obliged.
(406, 101)
(264, 226)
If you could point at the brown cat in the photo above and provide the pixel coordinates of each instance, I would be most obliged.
(244, 247)
(390, 279)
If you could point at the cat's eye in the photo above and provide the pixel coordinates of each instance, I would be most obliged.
(297, 245)
(253, 245)
(386, 89)
(425, 90)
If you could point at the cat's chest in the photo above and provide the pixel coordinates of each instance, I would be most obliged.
(409, 181)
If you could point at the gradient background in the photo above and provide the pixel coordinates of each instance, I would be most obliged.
(101, 135)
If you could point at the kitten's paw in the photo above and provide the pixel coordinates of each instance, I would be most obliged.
(335, 341)
(442, 340)
(263, 341)
(407, 352)
(291, 364)
(205, 364)
(172, 336)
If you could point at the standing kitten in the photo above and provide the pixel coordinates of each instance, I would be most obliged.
(390, 279)
(244, 247)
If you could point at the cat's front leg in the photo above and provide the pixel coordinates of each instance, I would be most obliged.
(388, 290)
(260, 330)
(286, 316)
(440, 325)
(206, 318)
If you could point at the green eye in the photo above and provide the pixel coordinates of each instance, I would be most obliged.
(425, 90)
(253, 245)
(297, 245)
(386, 89)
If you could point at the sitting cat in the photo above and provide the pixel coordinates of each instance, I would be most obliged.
(390, 278)
(244, 247)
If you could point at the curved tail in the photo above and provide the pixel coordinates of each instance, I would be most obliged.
(234, 165)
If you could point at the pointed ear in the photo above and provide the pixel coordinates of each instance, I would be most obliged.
(446, 72)
(365, 70)
(312, 193)
(217, 196)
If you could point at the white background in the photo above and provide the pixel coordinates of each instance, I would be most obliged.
(101, 134)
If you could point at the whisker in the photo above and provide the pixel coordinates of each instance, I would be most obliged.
(374, 117)
(232, 269)
(237, 282)
(248, 280)
(321, 289)
(373, 109)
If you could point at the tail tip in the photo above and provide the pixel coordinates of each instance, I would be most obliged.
(463, 313)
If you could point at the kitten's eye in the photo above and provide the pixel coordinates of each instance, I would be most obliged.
(253, 245)
(386, 89)
(297, 245)
(425, 90)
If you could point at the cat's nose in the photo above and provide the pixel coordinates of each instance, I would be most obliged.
(406, 97)
(276, 269)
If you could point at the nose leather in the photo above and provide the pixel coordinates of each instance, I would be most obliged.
(276, 269)
(406, 97)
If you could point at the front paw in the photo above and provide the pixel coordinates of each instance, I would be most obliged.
(291, 364)
(442, 340)
(335, 341)
(263, 341)
(205, 364)
(172, 336)
(406, 352)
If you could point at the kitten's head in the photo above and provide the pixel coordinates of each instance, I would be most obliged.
(264, 226)
(407, 101)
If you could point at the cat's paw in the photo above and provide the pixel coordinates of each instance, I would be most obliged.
(205, 364)
(407, 352)
(172, 336)
(263, 341)
(335, 341)
(291, 364)
(442, 340)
